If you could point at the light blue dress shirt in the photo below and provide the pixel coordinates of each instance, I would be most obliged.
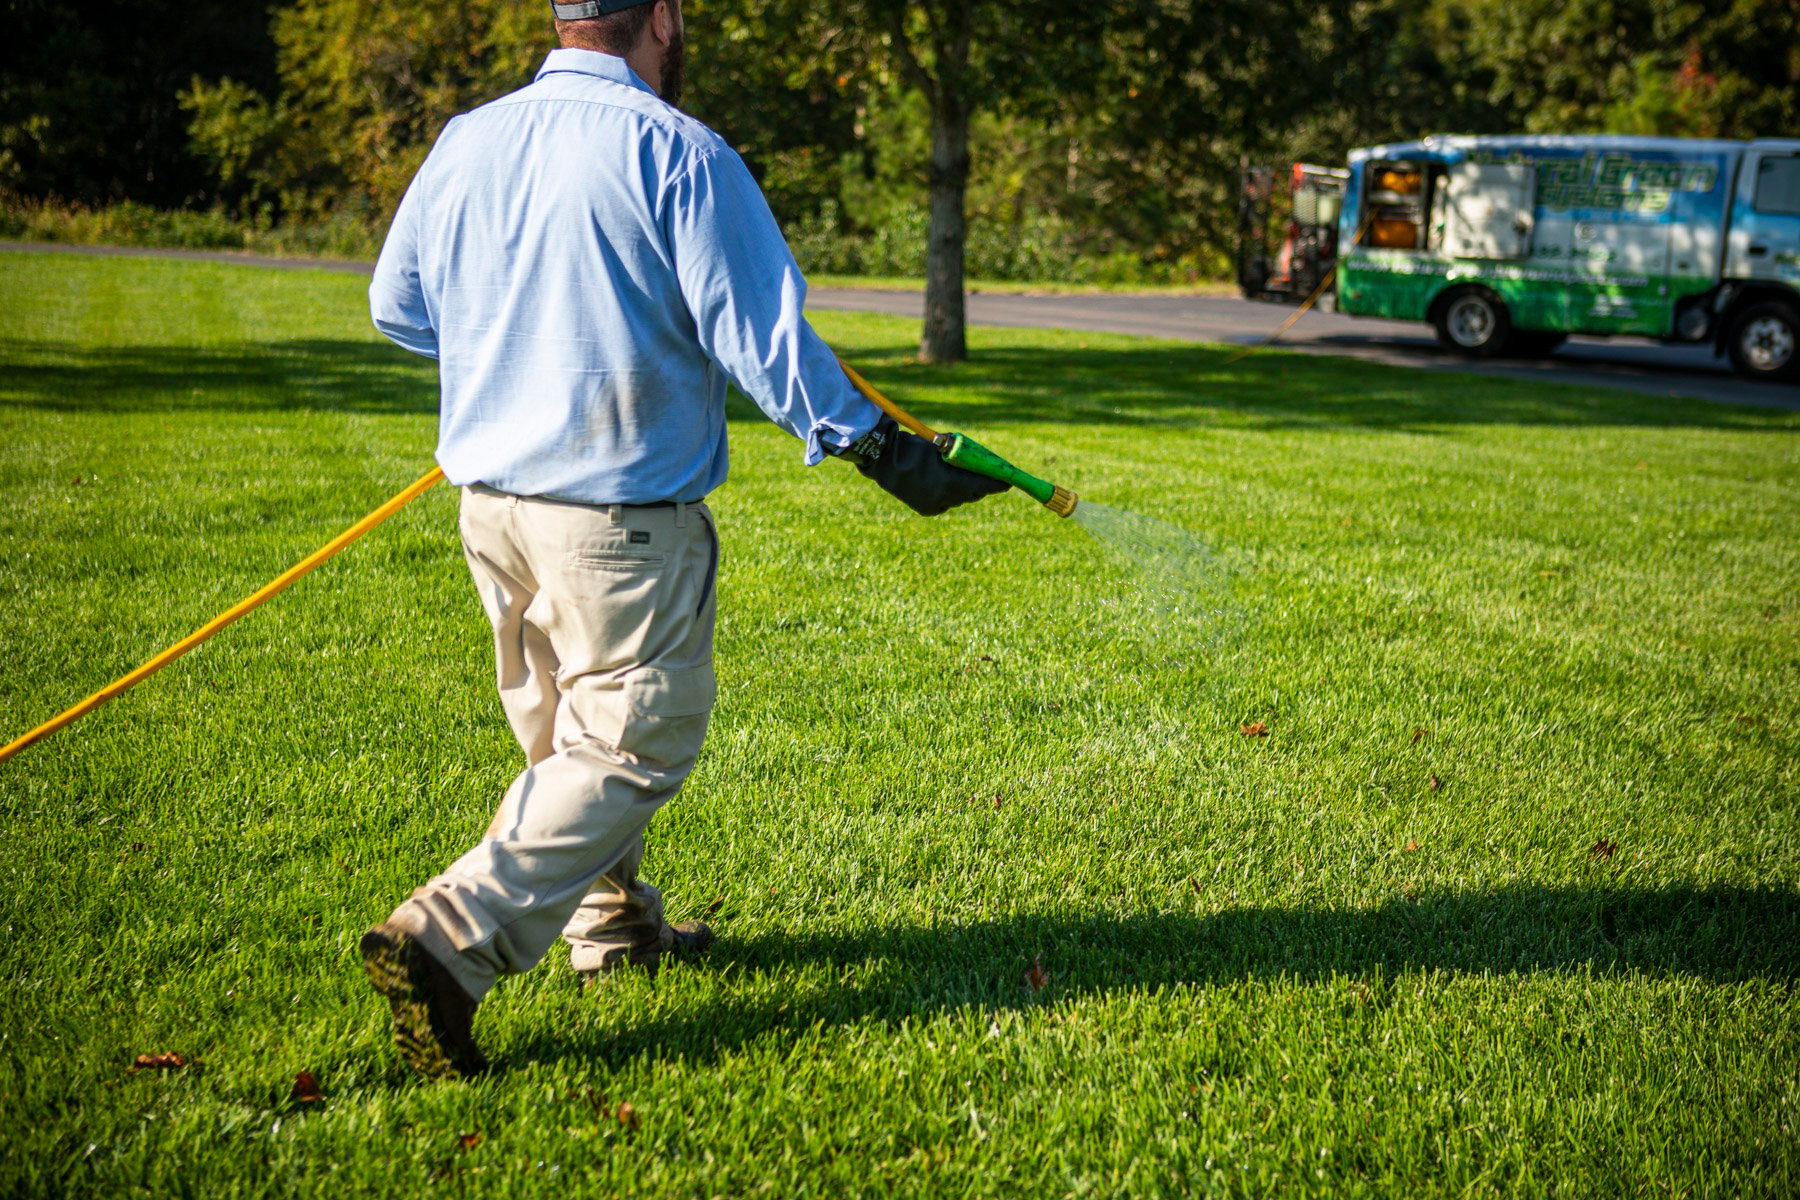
(590, 266)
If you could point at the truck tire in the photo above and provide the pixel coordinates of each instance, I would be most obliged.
(1474, 323)
(1764, 342)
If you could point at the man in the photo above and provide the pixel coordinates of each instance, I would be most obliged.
(591, 267)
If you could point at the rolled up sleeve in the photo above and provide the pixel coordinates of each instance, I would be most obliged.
(747, 298)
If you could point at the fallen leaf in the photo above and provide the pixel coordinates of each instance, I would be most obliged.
(75, 482)
(1037, 979)
(714, 907)
(1409, 847)
(1198, 890)
(628, 1115)
(1602, 849)
(1432, 782)
(468, 1141)
(1417, 735)
(1347, 521)
(1255, 729)
(305, 1089)
(1641, 466)
(997, 796)
(166, 1060)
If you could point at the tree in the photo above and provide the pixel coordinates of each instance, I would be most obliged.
(962, 56)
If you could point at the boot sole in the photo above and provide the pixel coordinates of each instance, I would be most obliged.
(391, 964)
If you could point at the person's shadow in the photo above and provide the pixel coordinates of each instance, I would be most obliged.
(784, 985)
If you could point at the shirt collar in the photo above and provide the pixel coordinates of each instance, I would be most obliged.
(592, 62)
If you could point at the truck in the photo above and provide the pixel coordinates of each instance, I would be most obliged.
(1509, 244)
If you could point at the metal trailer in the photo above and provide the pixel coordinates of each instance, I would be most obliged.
(1304, 203)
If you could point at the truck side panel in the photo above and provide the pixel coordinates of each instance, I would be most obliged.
(1620, 232)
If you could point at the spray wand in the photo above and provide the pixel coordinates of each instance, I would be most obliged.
(961, 450)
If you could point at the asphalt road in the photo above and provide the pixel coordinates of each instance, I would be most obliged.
(1630, 364)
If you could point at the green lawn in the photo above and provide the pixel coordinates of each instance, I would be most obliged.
(943, 749)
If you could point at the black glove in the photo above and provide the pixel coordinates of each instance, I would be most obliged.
(911, 469)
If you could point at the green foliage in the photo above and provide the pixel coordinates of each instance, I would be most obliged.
(1682, 67)
(1280, 965)
(364, 91)
(1104, 139)
(128, 223)
(792, 116)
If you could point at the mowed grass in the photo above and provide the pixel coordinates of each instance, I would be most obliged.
(1487, 625)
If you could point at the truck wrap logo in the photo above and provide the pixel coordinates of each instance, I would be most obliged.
(1612, 182)
(1391, 263)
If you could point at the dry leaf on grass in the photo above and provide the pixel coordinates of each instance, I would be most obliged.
(1037, 979)
(714, 907)
(166, 1060)
(1417, 734)
(1433, 782)
(468, 1141)
(1255, 729)
(1602, 849)
(305, 1089)
(628, 1116)
(1409, 847)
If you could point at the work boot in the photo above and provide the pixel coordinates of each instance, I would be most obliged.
(434, 1017)
(688, 939)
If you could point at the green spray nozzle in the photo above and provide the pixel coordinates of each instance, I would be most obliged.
(963, 451)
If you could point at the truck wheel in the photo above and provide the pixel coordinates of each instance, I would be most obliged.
(1474, 323)
(1765, 341)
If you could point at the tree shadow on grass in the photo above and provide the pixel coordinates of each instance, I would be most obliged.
(1155, 387)
(320, 375)
(1175, 386)
(1720, 935)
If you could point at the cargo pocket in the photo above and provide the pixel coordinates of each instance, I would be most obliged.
(666, 713)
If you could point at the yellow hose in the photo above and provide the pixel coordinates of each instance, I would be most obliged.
(270, 590)
(300, 569)
(1288, 324)
(888, 406)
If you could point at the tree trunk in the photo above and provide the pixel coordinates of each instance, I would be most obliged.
(943, 339)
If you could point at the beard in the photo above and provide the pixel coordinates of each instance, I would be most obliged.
(674, 70)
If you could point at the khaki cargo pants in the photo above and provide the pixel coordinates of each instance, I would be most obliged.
(603, 633)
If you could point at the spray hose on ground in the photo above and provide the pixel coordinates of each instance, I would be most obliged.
(258, 598)
(956, 448)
